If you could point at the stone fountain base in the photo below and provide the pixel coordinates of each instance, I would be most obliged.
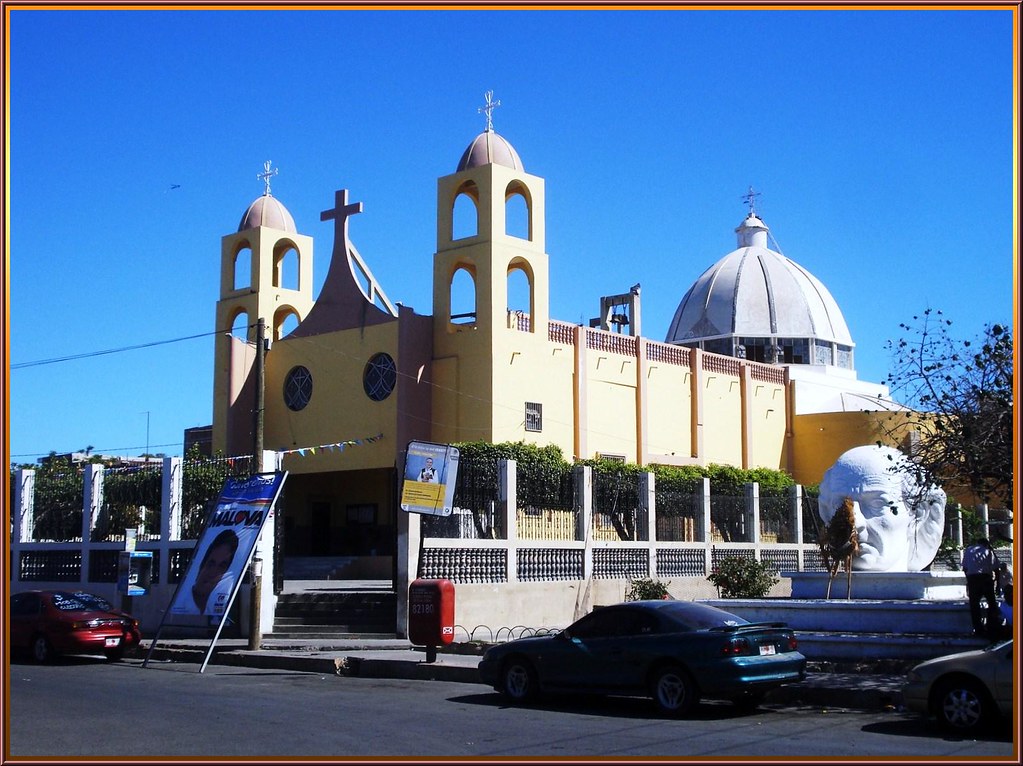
(891, 615)
(928, 586)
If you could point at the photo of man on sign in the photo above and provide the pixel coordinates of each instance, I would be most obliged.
(428, 473)
(214, 574)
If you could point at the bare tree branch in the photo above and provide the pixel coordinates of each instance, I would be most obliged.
(960, 395)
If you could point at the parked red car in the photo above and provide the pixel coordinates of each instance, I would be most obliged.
(51, 622)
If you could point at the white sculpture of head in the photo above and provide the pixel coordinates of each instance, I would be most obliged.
(900, 523)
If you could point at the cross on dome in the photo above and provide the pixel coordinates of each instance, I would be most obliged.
(750, 199)
(489, 109)
(266, 175)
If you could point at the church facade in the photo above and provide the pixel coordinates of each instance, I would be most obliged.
(756, 369)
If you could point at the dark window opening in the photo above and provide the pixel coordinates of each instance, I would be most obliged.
(534, 416)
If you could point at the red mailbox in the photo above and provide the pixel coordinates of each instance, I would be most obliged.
(431, 612)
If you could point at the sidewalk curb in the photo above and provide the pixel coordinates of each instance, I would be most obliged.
(362, 667)
(862, 691)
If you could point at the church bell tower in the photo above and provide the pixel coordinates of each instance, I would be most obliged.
(266, 274)
(490, 240)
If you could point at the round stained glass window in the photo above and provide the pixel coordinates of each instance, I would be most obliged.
(379, 377)
(298, 388)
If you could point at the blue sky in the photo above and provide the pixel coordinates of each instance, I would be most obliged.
(881, 143)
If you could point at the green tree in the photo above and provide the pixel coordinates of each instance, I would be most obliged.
(59, 491)
(960, 395)
(202, 480)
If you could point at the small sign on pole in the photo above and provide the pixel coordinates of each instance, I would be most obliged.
(430, 473)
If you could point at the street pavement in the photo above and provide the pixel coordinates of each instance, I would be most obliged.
(863, 686)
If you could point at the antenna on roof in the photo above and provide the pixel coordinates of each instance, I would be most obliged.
(266, 175)
(489, 109)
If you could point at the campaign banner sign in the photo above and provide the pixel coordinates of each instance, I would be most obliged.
(430, 473)
(226, 545)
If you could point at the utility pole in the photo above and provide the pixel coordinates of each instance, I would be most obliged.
(146, 413)
(260, 377)
(256, 570)
(255, 604)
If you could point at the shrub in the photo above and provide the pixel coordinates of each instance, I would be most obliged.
(740, 577)
(645, 588)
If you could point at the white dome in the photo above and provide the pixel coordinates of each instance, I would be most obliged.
(755, 292)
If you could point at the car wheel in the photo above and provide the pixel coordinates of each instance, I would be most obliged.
(518, 680)
(41, 649)
(674, 690)
(749, 701)
(962, 705)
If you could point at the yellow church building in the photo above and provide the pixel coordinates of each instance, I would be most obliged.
(756, 370)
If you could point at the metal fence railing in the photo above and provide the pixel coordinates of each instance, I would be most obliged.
(691, 528)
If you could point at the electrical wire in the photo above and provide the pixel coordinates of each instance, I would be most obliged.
(71, 357)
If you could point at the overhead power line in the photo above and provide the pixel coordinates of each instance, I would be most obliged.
(90, 354)
(94, 451)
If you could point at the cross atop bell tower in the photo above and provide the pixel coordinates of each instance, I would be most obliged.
(491, 105)
(266, 175)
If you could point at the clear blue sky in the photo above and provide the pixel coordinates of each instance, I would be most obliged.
(881, 143)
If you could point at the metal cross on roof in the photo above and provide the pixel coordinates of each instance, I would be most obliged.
(750, 199)
(489, 109)
(266, 175)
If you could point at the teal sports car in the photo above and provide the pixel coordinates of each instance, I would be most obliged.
(675, 652)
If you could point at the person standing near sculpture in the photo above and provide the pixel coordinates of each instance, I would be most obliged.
(1005, 605)
(980, 565)
(1004, 579)
(899, 522)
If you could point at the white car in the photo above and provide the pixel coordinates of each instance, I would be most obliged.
(967, 691)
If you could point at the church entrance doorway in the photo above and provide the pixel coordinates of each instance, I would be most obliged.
(339, 525)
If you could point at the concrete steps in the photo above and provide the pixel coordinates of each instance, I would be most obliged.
(341, 614)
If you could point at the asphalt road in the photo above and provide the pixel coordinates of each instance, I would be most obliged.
(87, 707)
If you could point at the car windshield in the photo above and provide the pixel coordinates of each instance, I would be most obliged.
(689, 615)
(80, 602)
